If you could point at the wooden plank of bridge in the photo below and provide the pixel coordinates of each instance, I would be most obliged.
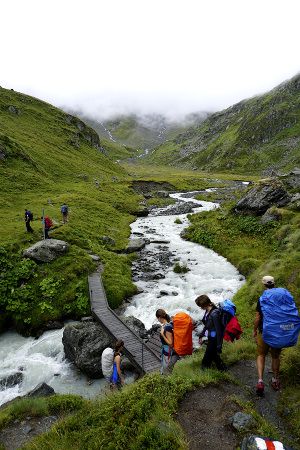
(145, 358)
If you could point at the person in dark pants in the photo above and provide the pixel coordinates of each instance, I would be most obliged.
(214, 331)
(28, 218)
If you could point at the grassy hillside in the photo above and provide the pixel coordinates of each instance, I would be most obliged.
(255, 135)
(48, 157)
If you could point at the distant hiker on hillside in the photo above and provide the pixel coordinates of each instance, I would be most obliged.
(28, 217)
(117, 379)
(213, 330)
(276, 325)
(64, 212)
(168, 355)
(47, 225)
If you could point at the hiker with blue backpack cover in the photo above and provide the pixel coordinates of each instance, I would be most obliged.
(276, 326)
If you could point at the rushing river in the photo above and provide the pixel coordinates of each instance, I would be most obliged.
(209, 273)
(42, 360)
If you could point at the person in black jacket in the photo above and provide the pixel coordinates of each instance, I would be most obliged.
(214, 331)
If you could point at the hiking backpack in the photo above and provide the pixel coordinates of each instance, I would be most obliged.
(281, 321)
(230, 324)
(107, 361)
(48, 222)
(182, 333)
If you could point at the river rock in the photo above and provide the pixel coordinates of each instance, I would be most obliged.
(11, 380)
(41, 390)
(135, 325)
(262, 197)
(84, 343)
(177, 209)
(135, 245)
(46, 250)
(144, 212)
(162, 194)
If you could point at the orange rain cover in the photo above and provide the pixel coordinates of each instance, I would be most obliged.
(182, 329)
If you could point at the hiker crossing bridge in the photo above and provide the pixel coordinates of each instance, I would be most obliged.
(144, 356)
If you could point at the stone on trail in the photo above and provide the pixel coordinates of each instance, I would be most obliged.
(41, 390)
(241, 421)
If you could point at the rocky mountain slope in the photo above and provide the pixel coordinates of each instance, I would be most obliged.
(255, 135)
(141, 132)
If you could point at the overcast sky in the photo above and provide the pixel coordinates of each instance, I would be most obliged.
(168, 56)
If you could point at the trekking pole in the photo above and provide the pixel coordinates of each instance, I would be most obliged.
(43, 215)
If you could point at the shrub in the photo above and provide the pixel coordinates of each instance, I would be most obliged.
(178, 221)
(180, 268)
(64, 403)
(248, 265)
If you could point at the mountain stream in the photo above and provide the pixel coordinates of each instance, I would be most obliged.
(42, 360)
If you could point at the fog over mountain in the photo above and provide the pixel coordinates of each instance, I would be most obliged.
(170, 57)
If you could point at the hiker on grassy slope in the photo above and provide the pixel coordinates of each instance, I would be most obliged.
(47, 226)
(214, 331)
(168, 355)
(64, 212)
(28, 217)
(276, 325)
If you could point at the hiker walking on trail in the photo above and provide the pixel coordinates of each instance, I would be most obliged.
(168, 355)
(276, 325)
(213, 330)
(28, 217)
(47, 225)
(64, 212)
(117, 379)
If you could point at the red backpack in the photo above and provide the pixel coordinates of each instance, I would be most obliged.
(48, 222)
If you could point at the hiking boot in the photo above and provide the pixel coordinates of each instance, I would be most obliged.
(275, 385)
(260, 387)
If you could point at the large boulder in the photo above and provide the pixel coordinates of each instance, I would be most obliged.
(46, 250)
(292, 179)
(135, 245)
(262, 197)
(84, 343)
(41, 390)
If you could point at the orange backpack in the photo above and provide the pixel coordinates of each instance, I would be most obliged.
(182, 332)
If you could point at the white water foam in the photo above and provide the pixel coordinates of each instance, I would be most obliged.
(41, 360)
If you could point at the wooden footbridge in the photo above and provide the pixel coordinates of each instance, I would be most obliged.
(144, 356)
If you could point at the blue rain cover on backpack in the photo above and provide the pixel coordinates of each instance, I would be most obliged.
(228, 306)
(281, 321)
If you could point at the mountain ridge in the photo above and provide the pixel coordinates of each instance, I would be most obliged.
(264, 128)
